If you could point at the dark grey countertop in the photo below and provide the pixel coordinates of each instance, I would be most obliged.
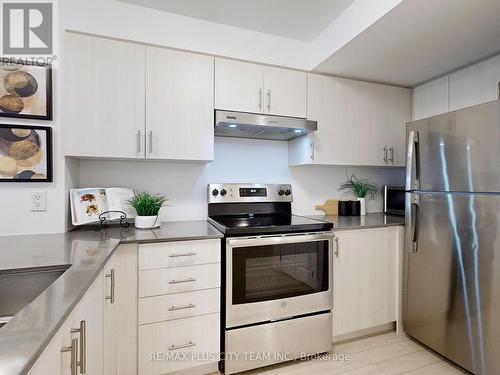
(24, 337)
(372, 220)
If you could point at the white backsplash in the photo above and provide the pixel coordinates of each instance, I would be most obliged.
(236, 160)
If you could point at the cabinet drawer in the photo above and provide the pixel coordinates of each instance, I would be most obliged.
(182, 253)
(178, 344)
(179, 305)
(180, 279)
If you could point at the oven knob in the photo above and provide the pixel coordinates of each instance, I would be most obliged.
(215, 192)
(223, 192)
(281, 192)
(288, 192)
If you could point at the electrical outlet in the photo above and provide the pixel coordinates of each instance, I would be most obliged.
(39, 201)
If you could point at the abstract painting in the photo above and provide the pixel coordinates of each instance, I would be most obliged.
(25, 153)
(26, 90)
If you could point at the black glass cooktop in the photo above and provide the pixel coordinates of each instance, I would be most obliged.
(265, 224)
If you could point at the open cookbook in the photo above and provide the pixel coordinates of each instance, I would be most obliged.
(87, 204)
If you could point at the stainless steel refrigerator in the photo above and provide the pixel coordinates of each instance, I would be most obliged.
(452, 239)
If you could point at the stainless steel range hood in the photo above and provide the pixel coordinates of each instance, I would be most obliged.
(258, 126)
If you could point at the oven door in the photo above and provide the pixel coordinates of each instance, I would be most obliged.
(277, 277)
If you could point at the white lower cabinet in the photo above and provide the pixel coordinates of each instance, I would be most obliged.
(179, 307)
(366, 284)
(78, 342)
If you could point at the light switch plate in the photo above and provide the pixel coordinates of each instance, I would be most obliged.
(39, 201)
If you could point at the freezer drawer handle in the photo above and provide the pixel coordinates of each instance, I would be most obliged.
(190, 280)
(413, 162)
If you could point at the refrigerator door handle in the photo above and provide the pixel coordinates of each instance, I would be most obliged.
(414, 224)
(412, 162)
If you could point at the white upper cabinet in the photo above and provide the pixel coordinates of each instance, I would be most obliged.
(179, 105)
(399, 113)
(247, 87)
(103, 90)
(359, 123)
(285, 92)
(239, 86)
(475, 84)
(431, 98)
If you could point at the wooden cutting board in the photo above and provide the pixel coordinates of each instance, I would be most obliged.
(330, 207)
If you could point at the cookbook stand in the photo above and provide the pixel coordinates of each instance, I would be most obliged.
(105, 222)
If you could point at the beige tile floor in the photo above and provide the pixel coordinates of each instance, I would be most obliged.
(384, 354)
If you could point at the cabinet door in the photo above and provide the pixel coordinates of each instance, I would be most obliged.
(475, 84)
(285, 92)
(238, 86)
(372, 111)
(431, 98)
(104, 97)
(120, 312)
(330, 103)
(365, 279)
(398, 114)
(179, 105)
(90, 311)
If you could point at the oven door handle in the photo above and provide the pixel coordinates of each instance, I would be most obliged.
(283, 239)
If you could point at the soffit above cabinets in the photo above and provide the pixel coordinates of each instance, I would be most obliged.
(295, 19)
(419, 40)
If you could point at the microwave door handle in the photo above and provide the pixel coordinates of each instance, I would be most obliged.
(412, 162)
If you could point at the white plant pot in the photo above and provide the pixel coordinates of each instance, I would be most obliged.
(147, 222)
(362, 203)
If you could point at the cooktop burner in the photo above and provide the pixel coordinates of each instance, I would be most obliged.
(255, 209)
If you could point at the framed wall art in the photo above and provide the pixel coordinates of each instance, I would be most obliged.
(25, 153)
(26, 90)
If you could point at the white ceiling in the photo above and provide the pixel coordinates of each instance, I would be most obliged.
(302, 20)
(419, 40)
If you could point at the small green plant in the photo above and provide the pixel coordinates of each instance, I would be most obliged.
(147, 204)
(360, 187)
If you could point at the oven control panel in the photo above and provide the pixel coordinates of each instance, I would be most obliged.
(239, 193)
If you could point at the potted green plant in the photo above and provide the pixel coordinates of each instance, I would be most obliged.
(361, 188)
(148, 208)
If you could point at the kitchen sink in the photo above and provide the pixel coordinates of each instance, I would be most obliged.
(19, 288)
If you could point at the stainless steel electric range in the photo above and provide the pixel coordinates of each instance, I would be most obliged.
(277, 276)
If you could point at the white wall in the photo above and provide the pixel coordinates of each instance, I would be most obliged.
(236, 160)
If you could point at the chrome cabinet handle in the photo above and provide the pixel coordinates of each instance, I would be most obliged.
(150, 142)
(111, 276)
(83, 346)
(190, 280)
(269, 100)
(391, 155)
(181, 255)
(73, 349)
(139, 141)
(260, 99)
(336, 239)
(312, 150)
(177, 347)
(385, 155)
(412, 157)
(175, 308)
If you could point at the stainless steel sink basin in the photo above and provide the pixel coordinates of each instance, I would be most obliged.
(19, 288)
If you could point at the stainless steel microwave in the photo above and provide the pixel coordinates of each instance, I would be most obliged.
(394, 200)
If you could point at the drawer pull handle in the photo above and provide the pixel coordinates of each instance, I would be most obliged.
(181, 255)
(177, 347)
(73, 349)
(190, 280)
(82, 331)
(175, 308)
